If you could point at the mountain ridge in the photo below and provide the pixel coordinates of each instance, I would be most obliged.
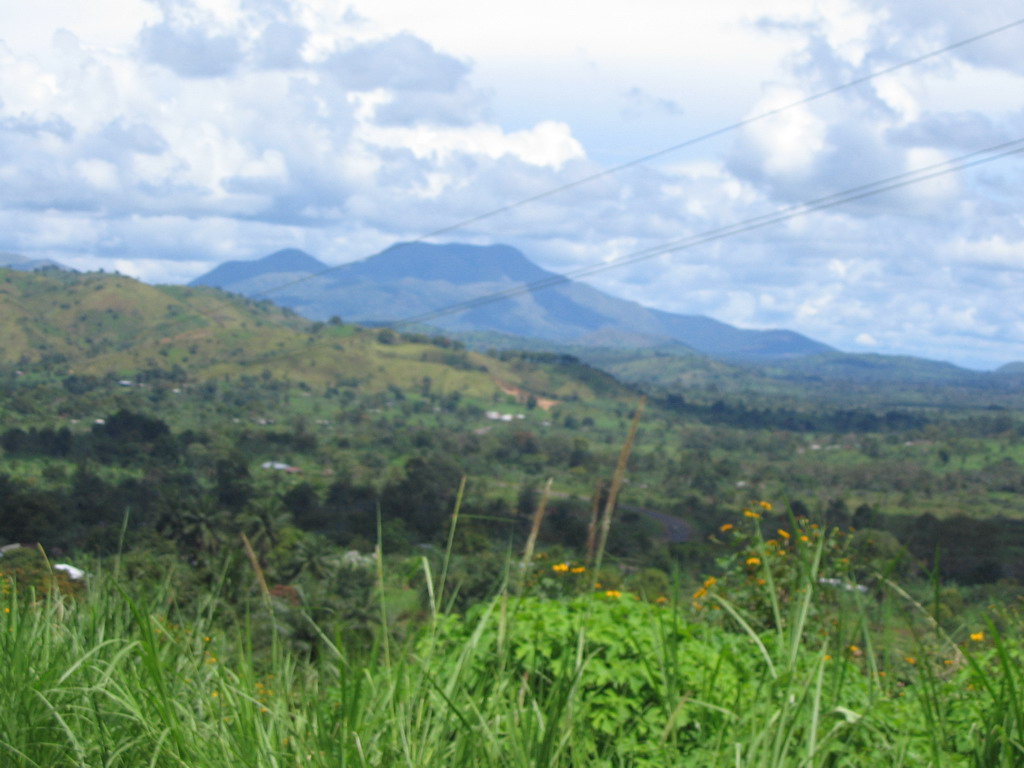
(25, 264)
(412, 279)
(288, 260)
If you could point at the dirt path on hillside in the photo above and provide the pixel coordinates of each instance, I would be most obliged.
(521, 396)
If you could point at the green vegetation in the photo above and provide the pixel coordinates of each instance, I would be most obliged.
(780, 660)
(264, 507)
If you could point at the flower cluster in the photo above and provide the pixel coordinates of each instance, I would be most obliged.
(566, 568)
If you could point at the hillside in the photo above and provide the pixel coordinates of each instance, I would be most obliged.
(101, 324)
(167, 394)
(413, 281)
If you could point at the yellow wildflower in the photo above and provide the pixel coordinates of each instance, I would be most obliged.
(661, 600)
(783, 534)
(560, 567)
(613, 593)
(910, 660)
(700, 593)
(856, 651)
(765, 505)
(977, 636)
(805, 539)
(753, 561)
(578, 569)
(751, 513)
(710, 581)
(726, 528)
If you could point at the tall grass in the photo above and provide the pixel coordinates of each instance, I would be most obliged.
(592, 679)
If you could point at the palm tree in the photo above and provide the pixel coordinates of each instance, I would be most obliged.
(203, 525)
(262, 521)
(196, 524)
(317, 556)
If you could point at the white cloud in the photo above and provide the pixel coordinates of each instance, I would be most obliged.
(190, 51)
(866, 340)
(546, 144)
(186, 132)
(640, 105)
(992, 253)
(99, 173)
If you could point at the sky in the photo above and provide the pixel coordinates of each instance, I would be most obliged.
(159, 138)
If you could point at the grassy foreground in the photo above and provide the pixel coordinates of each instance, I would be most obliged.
(779, 660)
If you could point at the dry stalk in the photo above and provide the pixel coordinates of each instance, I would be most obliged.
(538, 518)
(616, 486)
(255, 563)
(595, 510)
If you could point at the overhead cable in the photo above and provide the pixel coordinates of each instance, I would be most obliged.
(666, 150)
(862, 191)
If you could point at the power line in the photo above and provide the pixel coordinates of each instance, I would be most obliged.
(638, 161)
(898, 181)
(666, 150)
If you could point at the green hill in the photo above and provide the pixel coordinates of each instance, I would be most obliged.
(100, 324)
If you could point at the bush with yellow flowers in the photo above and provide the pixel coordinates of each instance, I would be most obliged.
(559, 578)
(768, 562)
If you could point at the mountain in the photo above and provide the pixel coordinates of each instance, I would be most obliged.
(281, 266)
(412, 281)
(1011, 369)
(25, 264)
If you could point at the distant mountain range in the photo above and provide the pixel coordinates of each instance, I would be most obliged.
(415, 280)
(449, 287)
(25, 264)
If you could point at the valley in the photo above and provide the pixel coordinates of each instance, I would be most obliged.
(281, 493)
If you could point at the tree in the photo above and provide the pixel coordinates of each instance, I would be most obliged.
(199, 527)
(262, 522)
(423, 498)
(234, 484)
(316, 556)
